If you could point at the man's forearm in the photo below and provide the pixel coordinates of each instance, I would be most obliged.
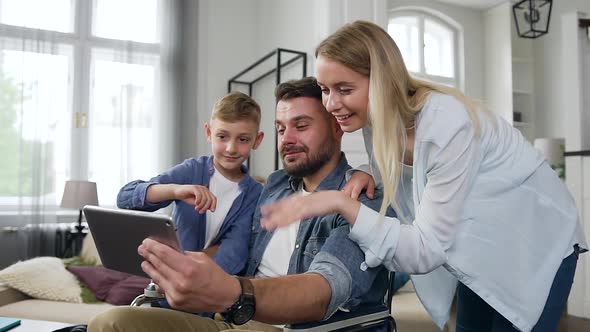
(291, 299)
(157, 193)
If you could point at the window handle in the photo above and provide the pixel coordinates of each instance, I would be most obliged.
(81, 120)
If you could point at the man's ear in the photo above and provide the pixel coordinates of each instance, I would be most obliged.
(208, 131)
(258, 140)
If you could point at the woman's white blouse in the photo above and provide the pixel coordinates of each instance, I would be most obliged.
(488, 211)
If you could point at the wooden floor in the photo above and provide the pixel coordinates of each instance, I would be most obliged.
(573, 324)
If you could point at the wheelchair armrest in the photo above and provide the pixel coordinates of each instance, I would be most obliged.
(342, 319)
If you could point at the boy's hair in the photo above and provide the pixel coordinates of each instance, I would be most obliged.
(237, 106)
(305, 87)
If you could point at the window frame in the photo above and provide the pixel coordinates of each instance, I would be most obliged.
(422, 15)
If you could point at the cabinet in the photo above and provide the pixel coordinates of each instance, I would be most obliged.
(509, 70)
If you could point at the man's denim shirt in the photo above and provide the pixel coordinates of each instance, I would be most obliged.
(322, 245)
(191, 225)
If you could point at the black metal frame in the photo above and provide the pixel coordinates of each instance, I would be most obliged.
(277, 70)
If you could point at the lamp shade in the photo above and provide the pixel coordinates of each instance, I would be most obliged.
(532, 17)
(77, 194)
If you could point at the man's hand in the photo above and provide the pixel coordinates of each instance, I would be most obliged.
(192, 281)
(196, 195)
(358, 182)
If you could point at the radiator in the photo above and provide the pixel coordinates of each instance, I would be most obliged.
(20, 243)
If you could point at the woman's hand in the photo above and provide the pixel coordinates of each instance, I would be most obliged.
(358, 182)
(297, 207)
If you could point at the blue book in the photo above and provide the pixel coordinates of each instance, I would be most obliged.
(8, 323)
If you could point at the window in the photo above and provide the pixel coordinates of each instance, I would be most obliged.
(428, 44)
(79, 98)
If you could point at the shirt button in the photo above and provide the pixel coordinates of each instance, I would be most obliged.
(364, 266)
(297, 246)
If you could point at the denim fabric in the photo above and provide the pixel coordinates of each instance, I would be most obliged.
(474, 314)
(234, 233)
(322, 245)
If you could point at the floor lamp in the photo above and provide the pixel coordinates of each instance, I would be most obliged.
(77, 194)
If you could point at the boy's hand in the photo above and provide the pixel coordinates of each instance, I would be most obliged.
(196, 195)
(358, 182)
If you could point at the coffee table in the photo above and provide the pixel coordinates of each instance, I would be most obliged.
(30, 325)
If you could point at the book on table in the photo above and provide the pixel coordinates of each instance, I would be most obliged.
(7, 323)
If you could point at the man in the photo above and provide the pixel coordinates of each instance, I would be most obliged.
(304, 272)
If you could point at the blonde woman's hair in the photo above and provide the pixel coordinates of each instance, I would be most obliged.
(395, 98)
(237, 106)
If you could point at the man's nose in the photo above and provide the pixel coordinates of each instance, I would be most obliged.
(288, 136)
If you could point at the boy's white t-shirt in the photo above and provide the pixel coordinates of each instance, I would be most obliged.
(277, 255)
(226, 192)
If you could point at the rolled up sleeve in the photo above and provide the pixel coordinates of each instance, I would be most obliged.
(339, 262)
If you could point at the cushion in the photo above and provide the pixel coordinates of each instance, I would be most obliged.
(111, 286)
(43, 278)
(89, 253)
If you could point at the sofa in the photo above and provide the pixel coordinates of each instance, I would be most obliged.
(407, 310)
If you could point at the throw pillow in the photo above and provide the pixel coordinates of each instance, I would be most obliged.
(43, 278)
(89, 253)
(111, 286)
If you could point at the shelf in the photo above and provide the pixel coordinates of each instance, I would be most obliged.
(519, 124)
(523, 60)
(521, 92)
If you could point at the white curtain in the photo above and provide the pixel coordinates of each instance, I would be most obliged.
(83, 99)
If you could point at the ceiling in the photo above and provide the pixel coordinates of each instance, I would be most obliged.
(477, 4)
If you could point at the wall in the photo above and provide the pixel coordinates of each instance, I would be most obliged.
(471, 21)
(280, 24)
(550, 119)
(497, 40)
(225, 32)
(234, 34)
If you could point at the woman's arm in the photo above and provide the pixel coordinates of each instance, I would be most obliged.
(418, 247)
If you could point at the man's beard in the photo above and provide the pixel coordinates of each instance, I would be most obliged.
(313, 164)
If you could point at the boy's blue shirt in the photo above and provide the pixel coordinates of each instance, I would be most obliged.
(235, 231)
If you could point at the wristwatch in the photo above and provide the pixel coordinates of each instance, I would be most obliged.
(245, 307)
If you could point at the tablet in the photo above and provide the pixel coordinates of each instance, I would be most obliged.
(117, 234)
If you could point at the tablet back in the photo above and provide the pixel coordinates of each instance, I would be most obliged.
(117, 234)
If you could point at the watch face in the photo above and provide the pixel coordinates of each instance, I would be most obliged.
(243, 314)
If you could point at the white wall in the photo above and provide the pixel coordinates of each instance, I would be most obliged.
(550, 119)
(473, 41)
(288, 25)
(497, 76)
(226, 43)
(233, 34)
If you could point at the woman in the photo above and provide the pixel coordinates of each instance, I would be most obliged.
(479, 209)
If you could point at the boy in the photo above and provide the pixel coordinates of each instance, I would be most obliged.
(214, 195)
